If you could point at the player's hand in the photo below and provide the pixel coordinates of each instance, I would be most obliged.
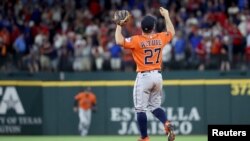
(164, 12)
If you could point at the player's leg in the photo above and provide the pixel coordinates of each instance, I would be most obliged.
(88, 120)
(80, 124)
(155, 101)
(141, 94)
(83, 124)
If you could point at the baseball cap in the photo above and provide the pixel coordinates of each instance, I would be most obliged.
(147, 24)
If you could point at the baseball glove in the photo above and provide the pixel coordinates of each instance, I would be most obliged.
(121, 17)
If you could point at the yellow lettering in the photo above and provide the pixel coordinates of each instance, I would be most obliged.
(243, 89)
(235, 89)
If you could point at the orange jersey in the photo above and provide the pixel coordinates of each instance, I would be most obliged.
(85, 100)
(147, 50)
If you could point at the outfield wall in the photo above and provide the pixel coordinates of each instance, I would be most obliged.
(43, 103)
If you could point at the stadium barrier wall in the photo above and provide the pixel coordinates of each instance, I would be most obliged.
(42, 104)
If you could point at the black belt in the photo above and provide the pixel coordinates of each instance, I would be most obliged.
(150, 71)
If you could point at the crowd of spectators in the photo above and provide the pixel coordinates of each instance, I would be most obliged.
(78, 35)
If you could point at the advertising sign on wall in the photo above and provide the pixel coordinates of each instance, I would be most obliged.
(20, 110)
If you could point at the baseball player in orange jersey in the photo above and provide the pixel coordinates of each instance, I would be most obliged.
(85, 102)
(147, 53)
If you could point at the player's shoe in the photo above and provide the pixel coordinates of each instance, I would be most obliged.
(169, 129)
(145, 139)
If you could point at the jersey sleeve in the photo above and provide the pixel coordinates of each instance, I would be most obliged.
(130, 42)
(166, 37)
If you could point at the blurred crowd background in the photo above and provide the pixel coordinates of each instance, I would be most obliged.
(78, 35)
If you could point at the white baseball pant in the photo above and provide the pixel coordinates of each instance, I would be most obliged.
(84, 121)
(147, 94)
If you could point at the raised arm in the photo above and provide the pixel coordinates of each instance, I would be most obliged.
(119, 38)
(169, 24)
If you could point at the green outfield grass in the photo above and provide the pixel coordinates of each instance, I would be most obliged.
(97, 138)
